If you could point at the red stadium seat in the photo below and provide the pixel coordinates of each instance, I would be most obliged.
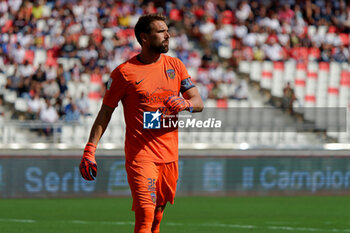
(344, 37)
(51, 60)
(29, 56)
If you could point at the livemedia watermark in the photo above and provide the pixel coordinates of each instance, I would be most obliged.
(155, 120)
(251, 119)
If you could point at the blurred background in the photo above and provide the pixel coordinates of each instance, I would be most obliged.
(291, 57)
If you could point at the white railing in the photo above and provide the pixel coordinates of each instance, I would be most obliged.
(63, 135)
(71, 134)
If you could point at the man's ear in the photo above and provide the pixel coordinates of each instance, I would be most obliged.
(144, 37)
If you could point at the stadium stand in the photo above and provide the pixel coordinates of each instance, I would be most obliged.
(236, 54)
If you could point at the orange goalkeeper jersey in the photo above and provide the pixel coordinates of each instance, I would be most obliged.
(143, 88)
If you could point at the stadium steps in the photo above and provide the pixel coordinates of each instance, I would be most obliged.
(304, 137)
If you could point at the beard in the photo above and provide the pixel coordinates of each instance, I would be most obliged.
(160, 48)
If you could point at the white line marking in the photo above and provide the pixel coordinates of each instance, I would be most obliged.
(293, 228)
(118, 223)
(223, 225)
(280, 223)
(174, 224)
(96, 222)
(76, 221)
(17, 220)
(277, 228)
(227, 225)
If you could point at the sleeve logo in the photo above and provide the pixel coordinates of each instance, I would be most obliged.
(110, 80)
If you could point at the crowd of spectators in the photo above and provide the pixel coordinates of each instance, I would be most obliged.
(299, 30)
(96, 36)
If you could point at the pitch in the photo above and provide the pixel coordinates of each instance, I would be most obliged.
(188, 215)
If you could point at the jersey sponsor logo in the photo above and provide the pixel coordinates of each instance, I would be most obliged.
(157, 96)
(151, 120)
(171, 73)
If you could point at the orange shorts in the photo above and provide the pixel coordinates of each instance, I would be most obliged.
(152, 184)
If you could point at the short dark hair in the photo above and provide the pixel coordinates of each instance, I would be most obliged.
(144, 24)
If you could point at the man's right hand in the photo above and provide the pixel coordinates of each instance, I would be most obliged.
(88, 165)
(177, 104)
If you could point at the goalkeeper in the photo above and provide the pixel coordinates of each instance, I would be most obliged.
(148, 82)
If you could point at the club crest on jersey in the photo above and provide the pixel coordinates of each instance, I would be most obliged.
(171, 73)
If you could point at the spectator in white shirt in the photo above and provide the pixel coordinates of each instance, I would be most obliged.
(51, 73)
(216, 71)
(273, 50)
(283, 38)
(26, 39)
(51, 89)
(207, 29)
(3, 6)
(83, 104)
(243, 11)
(15, 5)
(78, 10)
(251, 38)
(220, 36)
(18, 53)
(34, 105)
(241, 92)
(48, 114)
(274, 23)
(194, 60)
(203, 90)
(90, 53)
(240, 30)
(229, 76)
(182, 40)
(26, 70)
